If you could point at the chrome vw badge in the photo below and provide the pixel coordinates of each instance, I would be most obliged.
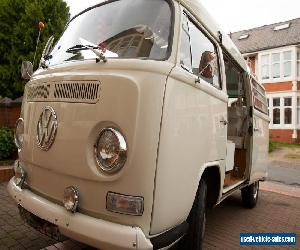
(46, 128)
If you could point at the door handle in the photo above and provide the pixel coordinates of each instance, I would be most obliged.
(256, 129)
(224, 122)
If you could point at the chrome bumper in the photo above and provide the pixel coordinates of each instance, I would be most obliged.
(95, 232)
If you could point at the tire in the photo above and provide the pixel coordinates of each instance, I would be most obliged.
(250, 195)
(193, 240)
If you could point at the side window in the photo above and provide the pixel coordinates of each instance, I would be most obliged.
(185, 50)
(205, 62)
(235, 81)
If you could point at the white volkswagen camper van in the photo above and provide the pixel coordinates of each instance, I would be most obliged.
(141, 117)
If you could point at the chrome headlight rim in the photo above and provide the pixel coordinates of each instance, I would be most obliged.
(122, 151)
(20, 174)
(17, 142)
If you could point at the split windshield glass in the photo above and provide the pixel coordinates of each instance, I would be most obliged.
(118, 29)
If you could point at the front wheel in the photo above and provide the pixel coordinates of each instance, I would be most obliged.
(250, 195)
(194, 238)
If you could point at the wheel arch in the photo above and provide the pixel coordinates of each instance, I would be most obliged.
(212, 175)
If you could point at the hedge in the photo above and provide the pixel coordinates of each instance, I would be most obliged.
(7, 145)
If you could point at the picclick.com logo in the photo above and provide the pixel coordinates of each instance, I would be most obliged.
(268, 239)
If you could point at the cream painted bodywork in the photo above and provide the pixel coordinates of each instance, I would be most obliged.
(96, 232)
(191, 137)
(171, 125)
(130, 100)
(260, 148)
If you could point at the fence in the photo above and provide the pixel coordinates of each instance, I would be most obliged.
(9, 112)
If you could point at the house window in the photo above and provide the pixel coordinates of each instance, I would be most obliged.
(276, 110)
(276, 65)
(287, 110)
(276, 102)
(287, 63)
(276, 116)
(265, 67)
(298, 110)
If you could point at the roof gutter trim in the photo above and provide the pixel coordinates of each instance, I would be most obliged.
(268, 48)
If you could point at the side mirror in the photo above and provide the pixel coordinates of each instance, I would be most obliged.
(26, 70)
(206, 65)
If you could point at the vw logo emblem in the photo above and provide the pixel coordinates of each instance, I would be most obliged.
(46, 128)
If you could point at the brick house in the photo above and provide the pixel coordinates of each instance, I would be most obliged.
(273, 53)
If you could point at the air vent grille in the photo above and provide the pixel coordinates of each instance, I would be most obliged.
(75, 90)
(38, 91)
(66, 91)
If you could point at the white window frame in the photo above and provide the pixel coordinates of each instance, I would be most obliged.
(274, 63)
(265, 65)
(270, 65)
(298, 64)
(272, 107)
(298, 111)
(281, 96)
(284, 61)
(287, 107)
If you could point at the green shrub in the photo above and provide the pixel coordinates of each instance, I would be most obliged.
(272, 146)
(7, 145)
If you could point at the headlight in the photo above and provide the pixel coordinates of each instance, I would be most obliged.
(19, 133)
(71, 199)
(111, 150)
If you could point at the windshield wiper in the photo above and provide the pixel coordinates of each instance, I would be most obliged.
(100, 55)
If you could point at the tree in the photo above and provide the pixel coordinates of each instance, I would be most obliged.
(19, 28)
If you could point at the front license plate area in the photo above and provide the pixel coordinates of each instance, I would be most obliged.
(43, 226)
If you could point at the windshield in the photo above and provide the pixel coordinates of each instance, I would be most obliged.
(119, 29)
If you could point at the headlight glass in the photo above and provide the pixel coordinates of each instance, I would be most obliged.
(19, 133)
(71, 199)
(111, 150)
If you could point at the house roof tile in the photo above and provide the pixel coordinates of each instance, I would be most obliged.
(265, 37)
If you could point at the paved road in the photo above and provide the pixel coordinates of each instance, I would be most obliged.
(278, 171)
(274, 213)
(14, 234)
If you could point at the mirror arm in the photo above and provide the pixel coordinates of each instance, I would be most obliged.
(46, 53)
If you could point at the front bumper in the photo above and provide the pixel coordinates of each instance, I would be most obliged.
(95, 232)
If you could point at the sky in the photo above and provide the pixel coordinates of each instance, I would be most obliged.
(232, 15)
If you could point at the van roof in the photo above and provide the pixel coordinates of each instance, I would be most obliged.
(201, 14)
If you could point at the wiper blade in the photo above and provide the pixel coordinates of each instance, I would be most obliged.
(79, 47)
(100, 55)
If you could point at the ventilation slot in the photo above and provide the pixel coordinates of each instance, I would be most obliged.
(87, 91)
(67, 91)
(38, 92)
